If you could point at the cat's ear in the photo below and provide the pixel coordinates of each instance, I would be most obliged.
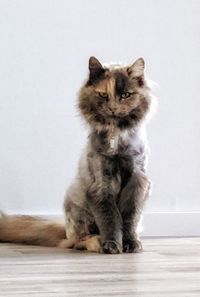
(137, 69)
(95, 68)
(94, 63)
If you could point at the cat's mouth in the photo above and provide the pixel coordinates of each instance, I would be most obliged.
(111, 113)
(117, 116)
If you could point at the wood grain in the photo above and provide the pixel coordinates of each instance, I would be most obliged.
(167, 267)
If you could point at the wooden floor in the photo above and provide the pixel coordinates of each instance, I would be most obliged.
(167, 267)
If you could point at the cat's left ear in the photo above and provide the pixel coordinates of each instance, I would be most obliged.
(137, 69)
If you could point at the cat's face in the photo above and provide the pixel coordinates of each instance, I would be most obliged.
(114, 95)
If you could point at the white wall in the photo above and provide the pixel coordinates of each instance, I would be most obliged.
(44, 48)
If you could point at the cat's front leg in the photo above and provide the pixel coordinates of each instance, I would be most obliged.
(107, 217)
(131, 204)
(101, 200)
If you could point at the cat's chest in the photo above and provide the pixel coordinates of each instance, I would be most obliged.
(118, 143)
(110, 143)
(121, 143)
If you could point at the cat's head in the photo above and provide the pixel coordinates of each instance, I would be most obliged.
(116, 95)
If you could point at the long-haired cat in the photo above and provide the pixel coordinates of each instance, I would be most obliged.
(103, 205)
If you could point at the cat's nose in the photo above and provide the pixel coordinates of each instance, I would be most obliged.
(112, 111)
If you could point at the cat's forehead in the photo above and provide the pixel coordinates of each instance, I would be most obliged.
(115, 81)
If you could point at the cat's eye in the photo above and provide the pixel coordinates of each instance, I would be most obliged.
(103, 95)
(125, 95)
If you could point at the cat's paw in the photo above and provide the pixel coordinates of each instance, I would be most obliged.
(132, 246)
(111, 247)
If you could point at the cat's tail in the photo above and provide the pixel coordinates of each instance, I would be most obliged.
(32, 230)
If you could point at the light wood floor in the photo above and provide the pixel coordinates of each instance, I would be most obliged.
(167, 267)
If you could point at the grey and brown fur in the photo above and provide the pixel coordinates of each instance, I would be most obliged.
(104, 203)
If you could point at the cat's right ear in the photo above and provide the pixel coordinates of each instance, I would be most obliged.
(95, 68)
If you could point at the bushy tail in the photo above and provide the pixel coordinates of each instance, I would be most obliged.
(31, 230)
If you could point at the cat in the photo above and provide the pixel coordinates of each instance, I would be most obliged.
(103, 205)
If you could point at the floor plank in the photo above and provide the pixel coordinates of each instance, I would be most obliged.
(167, 267)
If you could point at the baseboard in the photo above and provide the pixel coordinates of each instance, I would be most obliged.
(162, 223)
(171, 224)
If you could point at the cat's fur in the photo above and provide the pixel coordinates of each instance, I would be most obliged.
(104, 203)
